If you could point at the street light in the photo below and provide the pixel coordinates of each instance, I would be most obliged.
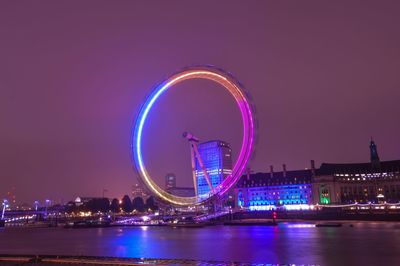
(36, 203)
(5, 205)
(47, 205)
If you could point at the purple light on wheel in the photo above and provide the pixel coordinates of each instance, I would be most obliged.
(234, 87)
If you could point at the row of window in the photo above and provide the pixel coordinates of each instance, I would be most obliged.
(253, 184)
(274, 192)
(369, 175)
(387, 189)
(278, 202)
(355, 179)
(279, 197)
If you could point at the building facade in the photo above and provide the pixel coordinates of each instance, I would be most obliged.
(267, 191)
(139, 191)
(217, 159)
(331, 184)
(373, 182)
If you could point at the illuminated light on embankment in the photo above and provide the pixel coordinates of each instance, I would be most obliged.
(292, 207)
(310, 207)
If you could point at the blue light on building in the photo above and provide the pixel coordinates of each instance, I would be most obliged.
(267, 191)
(280, 195)
(217, 159)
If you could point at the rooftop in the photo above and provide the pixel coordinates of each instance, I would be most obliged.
(277, 178)
(357, 168)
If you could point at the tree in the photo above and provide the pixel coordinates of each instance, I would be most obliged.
(150, 204)
(126, 204)
(97, 205)
(104, 204)
(114, 206)
(138, 204)
(71, 207)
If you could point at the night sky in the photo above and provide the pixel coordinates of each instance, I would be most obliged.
(324, 76)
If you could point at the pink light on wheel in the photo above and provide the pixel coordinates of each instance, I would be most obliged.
(236, 90)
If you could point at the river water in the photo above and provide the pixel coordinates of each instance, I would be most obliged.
(367, 243)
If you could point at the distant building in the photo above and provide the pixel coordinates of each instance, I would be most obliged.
(217, 159)
(139, 191)
(170, 181)
(84, 200)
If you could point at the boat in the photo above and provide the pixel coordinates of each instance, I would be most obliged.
(328, 225)
(188, 223)
(244, 223)
(88, 224)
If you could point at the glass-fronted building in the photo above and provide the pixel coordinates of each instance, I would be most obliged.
(216, 156)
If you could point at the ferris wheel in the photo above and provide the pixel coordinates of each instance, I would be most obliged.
(238, 93)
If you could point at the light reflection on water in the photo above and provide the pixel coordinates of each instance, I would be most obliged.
(298, 243)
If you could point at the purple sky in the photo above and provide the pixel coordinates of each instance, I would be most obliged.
(324, 77)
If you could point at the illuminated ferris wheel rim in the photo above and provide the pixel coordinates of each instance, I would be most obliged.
(236, 90)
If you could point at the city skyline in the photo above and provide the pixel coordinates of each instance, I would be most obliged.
(70, 89)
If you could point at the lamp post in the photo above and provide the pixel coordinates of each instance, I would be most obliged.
(47, 205)
(36, 203)
(5, 205)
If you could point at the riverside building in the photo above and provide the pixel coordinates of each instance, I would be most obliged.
(267, 191)
(374, 182)
(371, 182)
